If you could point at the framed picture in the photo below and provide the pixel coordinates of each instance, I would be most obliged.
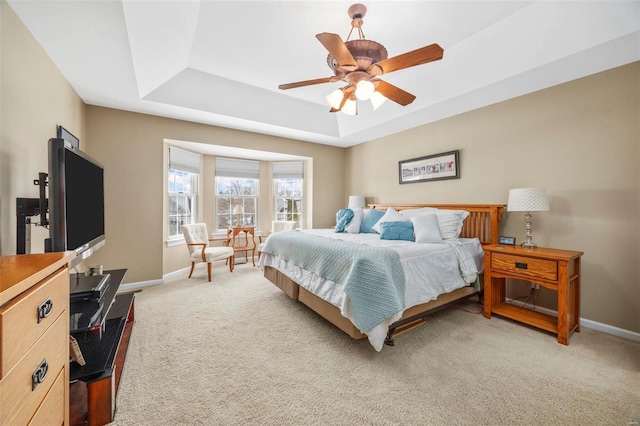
(67, 136)
(432, 167)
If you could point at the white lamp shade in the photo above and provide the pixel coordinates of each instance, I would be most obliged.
(238, 209)
(377, 99)
(364, 90)
(334, 99)
(350, 107)
(356, 201)
(528, 200)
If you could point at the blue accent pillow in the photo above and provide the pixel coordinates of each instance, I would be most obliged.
(343, 217)
(397, 231)
(369, 220)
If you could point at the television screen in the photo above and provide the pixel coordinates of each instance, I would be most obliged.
(76, 200)
(84, 196)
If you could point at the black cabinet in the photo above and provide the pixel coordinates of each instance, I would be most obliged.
(103, 338)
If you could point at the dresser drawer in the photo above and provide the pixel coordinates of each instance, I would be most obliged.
(51, 411)
(525, 266)
(18, 397)
(27, 317)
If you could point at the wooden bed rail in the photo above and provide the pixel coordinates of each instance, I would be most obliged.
(482, 223)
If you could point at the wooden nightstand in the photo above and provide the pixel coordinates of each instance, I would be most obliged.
(558, 270)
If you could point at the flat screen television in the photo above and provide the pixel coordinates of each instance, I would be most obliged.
(76, 201)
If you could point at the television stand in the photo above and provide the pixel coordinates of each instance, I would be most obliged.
(93, 387)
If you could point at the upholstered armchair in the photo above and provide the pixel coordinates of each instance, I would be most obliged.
(197, 240)
(277, 226)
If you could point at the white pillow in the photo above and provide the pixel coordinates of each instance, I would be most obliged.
(426, 228)
(450, 222)
(354, 226)
(391, 215)
(411, 213)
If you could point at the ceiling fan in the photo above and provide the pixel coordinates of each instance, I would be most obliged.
(359, 62)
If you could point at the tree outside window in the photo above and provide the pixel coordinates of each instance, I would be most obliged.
(236, 202)
(288, 199)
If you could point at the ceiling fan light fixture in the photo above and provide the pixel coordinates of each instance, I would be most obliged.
(364, 90)
(350, 107)
(334, 99)
(377, 99)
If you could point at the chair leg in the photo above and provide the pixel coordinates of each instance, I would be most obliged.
(232, 262)
(209, 270)
(193, 264)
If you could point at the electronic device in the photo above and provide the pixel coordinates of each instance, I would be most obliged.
(90, 287)
(510, 241)
(76, 201)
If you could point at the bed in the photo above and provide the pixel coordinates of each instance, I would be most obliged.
(384, 300)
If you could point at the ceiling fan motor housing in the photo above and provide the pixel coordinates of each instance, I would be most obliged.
(365, 52)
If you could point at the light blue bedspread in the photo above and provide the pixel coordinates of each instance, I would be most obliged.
(372, 277)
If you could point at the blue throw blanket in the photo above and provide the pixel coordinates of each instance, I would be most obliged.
(372, 277)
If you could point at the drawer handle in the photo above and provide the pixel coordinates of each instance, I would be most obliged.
(44, 309)
(521, 265)
(39, 374)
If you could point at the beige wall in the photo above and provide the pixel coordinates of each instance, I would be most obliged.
(132, 149)
(580, 140)
(35, 98)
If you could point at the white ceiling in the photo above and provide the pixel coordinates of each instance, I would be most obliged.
(220, 62)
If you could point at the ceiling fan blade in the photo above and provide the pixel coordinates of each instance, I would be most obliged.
(394, 93)
(430, 53)
(334, 44)
(307, 83)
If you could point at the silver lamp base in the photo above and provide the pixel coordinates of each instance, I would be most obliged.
(528, 243)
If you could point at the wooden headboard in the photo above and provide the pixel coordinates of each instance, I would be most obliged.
(482, 223)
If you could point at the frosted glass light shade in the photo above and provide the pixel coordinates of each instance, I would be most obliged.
(356, 201)
(528, 200)
(350, 107)
(377, 99)
(334, 99)
(364, 90)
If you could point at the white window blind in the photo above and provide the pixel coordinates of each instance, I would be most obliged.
(227, 167)
(184, 161)
(287, 170)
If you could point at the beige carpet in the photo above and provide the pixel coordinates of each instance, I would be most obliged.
(237, 351)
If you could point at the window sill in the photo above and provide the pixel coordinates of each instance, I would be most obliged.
(175, 242)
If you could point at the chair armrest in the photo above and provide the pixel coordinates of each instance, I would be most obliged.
(225, 240)
(204, 246)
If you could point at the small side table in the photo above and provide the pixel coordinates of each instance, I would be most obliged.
(248, 245)
(558, 270)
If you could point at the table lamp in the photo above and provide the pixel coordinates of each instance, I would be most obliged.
(528, 200)
(238, 210)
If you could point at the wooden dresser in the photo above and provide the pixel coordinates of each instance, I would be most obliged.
(34, 338)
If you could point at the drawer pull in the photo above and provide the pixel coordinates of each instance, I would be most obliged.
(44, 309)
(521, 265)
(39, 374)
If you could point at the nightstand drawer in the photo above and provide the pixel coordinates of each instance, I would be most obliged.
(525, 266)
(28, 316)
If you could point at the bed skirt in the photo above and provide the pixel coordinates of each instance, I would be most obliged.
(332, 313)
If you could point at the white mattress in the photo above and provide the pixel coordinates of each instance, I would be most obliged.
(430, 270)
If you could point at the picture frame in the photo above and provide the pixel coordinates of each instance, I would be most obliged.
(445, 165)
(67, 136)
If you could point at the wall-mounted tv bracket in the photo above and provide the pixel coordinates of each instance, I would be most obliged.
(27, 208)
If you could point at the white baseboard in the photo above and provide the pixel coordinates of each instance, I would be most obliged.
(151, 283)
(594, 325)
